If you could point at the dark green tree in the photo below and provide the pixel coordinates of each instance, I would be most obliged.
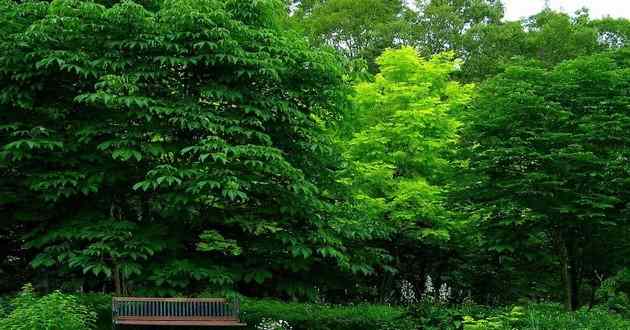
(550, 148)
(357, 29)
(181, 148)
(548, 36)
(440, 25)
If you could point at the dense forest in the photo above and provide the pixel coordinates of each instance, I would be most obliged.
(423, 156)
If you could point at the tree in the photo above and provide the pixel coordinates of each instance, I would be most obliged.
(396, 140)
(548, 36)
(440, 25)
(181, 148)
(357, 29)
(549, 148)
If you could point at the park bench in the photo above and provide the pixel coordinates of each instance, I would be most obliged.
(175, 311)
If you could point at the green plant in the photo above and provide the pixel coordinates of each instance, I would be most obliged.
(552, 135)
(430, 316)
(2, 311)
(553, 317)
(269, 324)
(189, 131)
(55, 311)
(395, 141)
(501, 321)
(101, 304)
(305, 316)
(613, 292)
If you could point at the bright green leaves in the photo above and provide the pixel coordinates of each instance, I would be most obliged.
(213, 241)
(53, 311)
(401, 128)
(404, 120)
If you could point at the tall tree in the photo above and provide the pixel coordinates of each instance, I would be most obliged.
(549, 147)
(396, 141)
(440, 25)
(548, 36)
(358, 29)
(184, 145)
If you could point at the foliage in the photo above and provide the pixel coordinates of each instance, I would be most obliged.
(553, 316)
(101, 305)
(55, 311)
(317, 317)
(613, 292)
(358, 29)
(508, 320)
(269, 324)
(438, 26)
(430, 316)
(395, 143)
(426, 316)
(548, 36)
(178, 148)
(538, 140)
(188, 134)
(97, 247)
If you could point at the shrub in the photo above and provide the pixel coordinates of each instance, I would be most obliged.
(539, 316)
(505, 320)
(554, 317)
(101, 304)
(55, 311)
(430, 316)
(301, 316)
(613, 292)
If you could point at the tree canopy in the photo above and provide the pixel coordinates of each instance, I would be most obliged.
(551, 157)
(188, 137)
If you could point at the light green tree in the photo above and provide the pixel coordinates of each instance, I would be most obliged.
(396, 143)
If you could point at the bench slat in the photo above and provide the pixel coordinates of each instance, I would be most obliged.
(217, 323)
(169, 299)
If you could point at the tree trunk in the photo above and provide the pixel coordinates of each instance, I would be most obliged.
(569, 272)
(117, 284)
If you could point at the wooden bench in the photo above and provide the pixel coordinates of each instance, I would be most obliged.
(175, 311)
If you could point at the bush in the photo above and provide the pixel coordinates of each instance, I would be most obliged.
(431, 316)
(506, 320)
(300, 316)
(554, 317)
(613, 292)
(540, 316)
(101, 304)
(55, 311)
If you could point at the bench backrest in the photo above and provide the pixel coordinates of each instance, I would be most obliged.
(174, 309)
